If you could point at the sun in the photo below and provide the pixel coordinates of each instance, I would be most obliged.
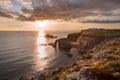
(41, 24)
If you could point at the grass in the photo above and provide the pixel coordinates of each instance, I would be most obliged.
(102, 33)
(63, 76)
(117, 53)
(101, 63)
(114, 65)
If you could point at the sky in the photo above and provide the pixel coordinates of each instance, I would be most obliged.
(59, 14)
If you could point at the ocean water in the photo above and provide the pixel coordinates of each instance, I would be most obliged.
(26, 53)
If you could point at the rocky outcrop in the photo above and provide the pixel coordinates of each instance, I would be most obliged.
(88, 73)
(42, 75)
(50, 36)
(91, 37)
(87, 43)
(101, 55)
(67, 43)
(73, 37)
(72, 76)
(63, 44)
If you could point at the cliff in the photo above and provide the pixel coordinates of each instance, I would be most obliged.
(86, 39)
(91, 37)
(73, 36)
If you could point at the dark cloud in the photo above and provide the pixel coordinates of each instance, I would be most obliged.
(67, 10)
(21, 17)
(101, 21)
(4, 13)
(72, 9)
(26, 11)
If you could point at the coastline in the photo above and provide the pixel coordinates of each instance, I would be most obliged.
(101, 55)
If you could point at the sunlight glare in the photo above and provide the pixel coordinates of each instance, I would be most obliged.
(41, 24)
(41, 49)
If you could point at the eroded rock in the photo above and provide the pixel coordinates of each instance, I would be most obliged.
(63, 44)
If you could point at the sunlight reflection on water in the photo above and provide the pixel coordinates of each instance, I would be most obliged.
(41, 49)
(40, 60)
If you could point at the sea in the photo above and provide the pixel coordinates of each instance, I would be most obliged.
(25, 53)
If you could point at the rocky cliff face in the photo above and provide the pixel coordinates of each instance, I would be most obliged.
(86, 39)
(73, 37)
(63, 44)
(87, 43)
(89, 38)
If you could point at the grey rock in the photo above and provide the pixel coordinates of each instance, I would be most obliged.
(86, 74)
(41, 75)
(72, 76)
(102, 54)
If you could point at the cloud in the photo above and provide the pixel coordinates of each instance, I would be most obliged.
(66, 10)
(26, 11)
(101, 21)
(4, 13)
(72, 9)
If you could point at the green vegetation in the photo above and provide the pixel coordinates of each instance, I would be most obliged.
(108, 33)
(113, 65)
(100, 64)
(117, 53)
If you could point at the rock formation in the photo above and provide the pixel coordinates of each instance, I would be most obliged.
(86, 39)
(63, 44)
(88, 73)
(73, 37)
(50, 36)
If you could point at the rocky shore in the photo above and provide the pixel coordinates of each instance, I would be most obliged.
(100, 58)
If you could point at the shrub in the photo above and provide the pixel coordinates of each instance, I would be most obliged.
(114, 66)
